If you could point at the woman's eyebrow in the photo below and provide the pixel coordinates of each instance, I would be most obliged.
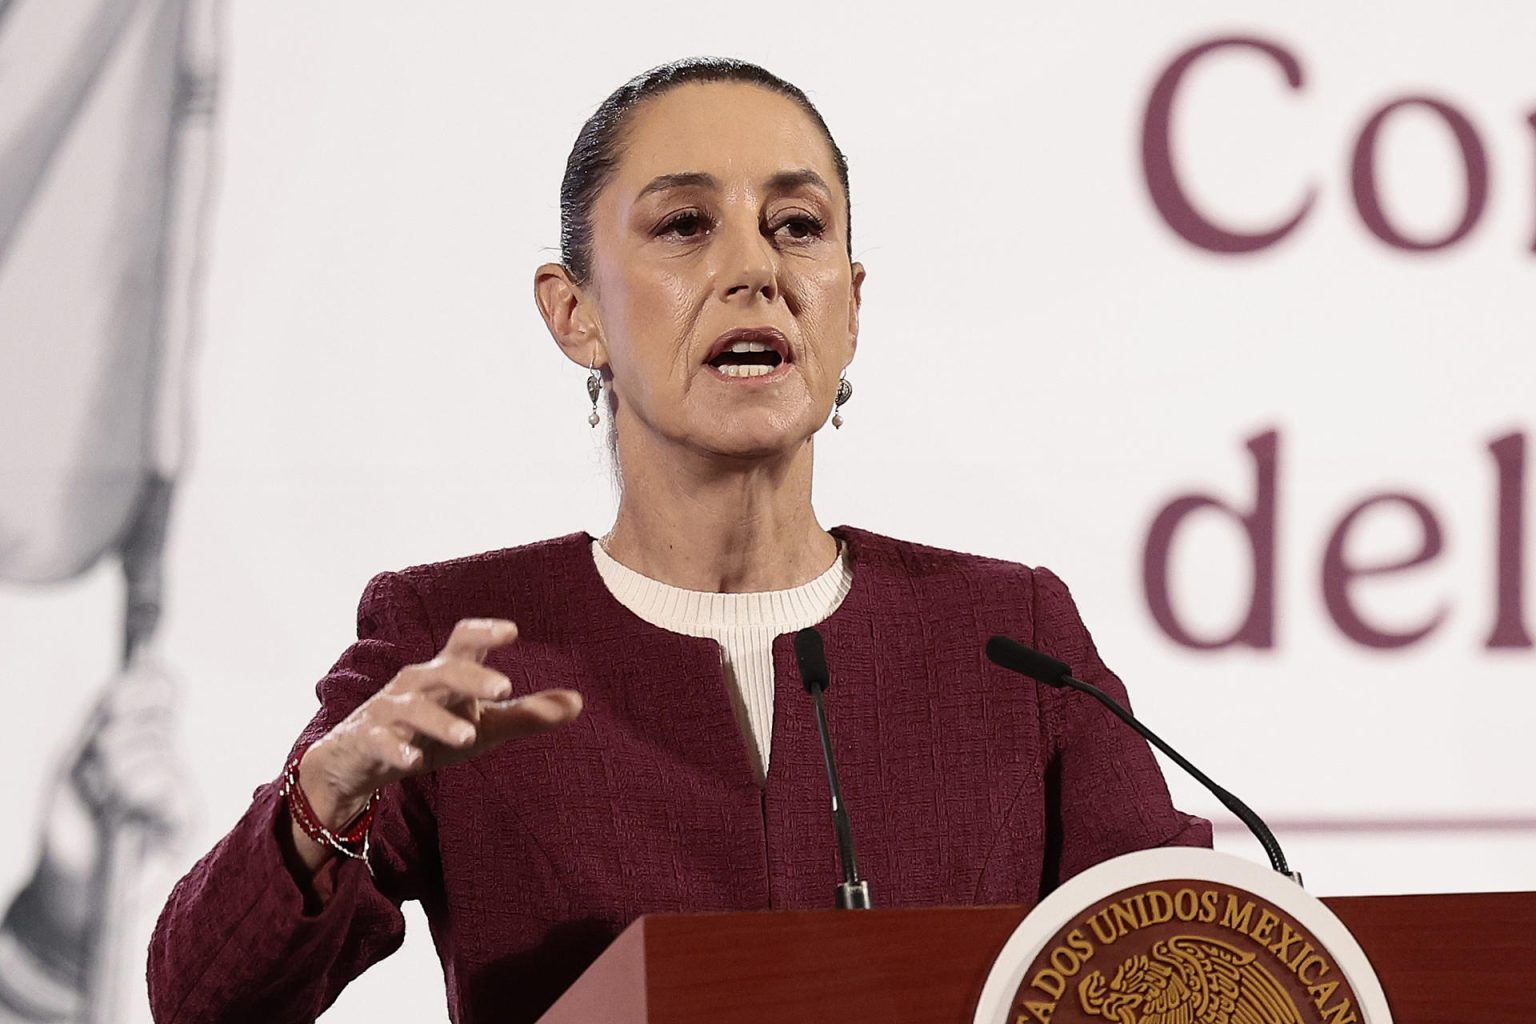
(786, 181)
(681, 179)
(783, 181)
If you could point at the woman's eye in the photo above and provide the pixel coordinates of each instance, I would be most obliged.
(801, 226)
(689, 224)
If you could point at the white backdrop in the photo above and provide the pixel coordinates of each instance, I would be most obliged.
(1044, 365)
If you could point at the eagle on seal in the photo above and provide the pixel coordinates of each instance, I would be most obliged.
(1189, 980)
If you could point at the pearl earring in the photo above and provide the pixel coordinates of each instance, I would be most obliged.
(844, 392)
(594, 388)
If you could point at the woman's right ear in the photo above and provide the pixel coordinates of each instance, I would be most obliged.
(567, 310)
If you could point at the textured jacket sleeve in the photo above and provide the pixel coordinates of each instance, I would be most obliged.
(237, 940)
(1105, 794)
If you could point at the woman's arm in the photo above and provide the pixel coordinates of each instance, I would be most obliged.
(270, 926)
(1104, 790)
(251, 933)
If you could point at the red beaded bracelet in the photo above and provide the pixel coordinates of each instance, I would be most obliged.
(352, 841)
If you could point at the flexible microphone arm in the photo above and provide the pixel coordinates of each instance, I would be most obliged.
(811, 656)
(1014, 656)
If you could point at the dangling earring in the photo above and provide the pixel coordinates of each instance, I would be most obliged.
(844, 392)
(594, 388)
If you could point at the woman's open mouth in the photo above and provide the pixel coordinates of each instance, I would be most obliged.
(750, 353)
(747, 359)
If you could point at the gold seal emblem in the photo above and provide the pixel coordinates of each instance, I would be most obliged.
(1181, 936)
(1184, 951)
(1189, 979)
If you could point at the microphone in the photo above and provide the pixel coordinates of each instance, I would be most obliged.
(1015, 657)
(811, 656)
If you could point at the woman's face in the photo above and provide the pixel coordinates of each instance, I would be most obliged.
(724, 227)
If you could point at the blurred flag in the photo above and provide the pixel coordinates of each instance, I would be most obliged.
(105, 108)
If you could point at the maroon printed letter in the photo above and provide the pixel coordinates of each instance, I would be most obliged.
(1258, 628)
(1338, 575)
(1162, 179)
(1474, 160)
(1509, 619)
(1532, 120)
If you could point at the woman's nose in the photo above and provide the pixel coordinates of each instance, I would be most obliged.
(749, 266)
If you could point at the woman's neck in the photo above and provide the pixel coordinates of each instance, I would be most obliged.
(722, 526)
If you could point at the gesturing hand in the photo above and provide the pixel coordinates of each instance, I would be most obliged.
(430, 715)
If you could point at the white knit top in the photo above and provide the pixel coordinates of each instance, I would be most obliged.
(744, 625)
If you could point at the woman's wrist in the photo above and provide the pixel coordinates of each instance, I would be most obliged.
(333, 807)
(326, 824)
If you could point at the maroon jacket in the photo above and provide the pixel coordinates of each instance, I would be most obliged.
(966, 785)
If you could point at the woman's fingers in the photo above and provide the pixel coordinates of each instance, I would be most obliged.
(433, 714)
(425, 718)
(447, 679)
(471, 638)
(528, 716)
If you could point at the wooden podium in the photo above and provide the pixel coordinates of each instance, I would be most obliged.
(1441, 959)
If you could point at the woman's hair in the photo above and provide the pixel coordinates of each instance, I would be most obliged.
(598, 146)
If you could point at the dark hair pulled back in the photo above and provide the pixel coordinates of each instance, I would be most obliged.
(597, 149)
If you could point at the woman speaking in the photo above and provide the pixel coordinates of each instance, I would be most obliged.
(544, 742)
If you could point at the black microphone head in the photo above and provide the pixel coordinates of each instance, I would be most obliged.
(812, 658)
(1027, 661)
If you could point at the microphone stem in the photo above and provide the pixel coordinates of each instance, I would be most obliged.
(1244, 813)
(839, 813)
